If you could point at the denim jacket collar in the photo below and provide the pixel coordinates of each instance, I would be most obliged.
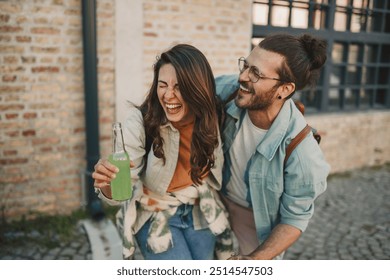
(275, 135)
(236, 113)
(276, 132)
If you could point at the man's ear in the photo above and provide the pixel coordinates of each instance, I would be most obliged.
(287, 89)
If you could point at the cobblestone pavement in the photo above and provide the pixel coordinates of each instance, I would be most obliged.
(351, 221)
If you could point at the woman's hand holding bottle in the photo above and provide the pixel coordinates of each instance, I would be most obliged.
(104, 173)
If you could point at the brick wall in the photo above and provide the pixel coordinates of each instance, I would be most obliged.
(42, 144)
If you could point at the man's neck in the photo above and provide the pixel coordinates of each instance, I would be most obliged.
(264, 118)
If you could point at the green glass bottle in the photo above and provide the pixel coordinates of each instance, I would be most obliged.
(121, 188)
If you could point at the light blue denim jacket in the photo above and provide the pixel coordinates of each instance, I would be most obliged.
(278, 193)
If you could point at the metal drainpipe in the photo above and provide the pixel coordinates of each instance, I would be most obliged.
(91, 104)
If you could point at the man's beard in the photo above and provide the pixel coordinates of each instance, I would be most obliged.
(257, 102)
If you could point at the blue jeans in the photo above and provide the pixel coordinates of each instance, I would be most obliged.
(188, 243)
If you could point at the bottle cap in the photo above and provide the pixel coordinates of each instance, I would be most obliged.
(116, 125)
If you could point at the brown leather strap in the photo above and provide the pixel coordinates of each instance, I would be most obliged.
(300, 106)
(295, 142)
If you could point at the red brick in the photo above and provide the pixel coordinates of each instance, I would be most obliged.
(45, 30)
(150, 34)
(11, 49)
(10, 161)
(11, 89)
(10, 29)
(45, 49)
(41, 141)
(11, 116)
(75, 12)
(9, 78)
(16, 178)
(11, 107)
(10, 152)
(30, 115)
(58, 2)
(14, 133)
(28, 59)
(63, 148)
(46, 149)
(104, 138)
(79, 130)
(11, 59)
(5, 38)
(30, 132)
(4, 18)
(46, 69)
(23, 39)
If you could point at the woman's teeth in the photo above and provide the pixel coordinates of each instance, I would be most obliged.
(172, 106)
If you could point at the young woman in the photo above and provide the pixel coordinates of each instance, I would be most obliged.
(175, 211)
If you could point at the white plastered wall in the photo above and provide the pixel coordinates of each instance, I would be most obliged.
(128, 55)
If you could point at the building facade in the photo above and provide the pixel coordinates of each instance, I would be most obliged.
(43, 146)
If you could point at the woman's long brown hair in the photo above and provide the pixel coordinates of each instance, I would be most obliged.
(197, 87)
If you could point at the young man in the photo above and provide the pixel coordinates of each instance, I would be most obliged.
(271, 202)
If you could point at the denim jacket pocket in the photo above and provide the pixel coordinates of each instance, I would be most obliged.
(267, 192)
(274, 191)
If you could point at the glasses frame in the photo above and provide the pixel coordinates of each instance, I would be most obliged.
(253, 77)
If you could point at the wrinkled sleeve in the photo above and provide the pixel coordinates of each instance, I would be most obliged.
(134, 138)
(305, 180)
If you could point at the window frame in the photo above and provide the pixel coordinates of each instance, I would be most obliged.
(362, 39)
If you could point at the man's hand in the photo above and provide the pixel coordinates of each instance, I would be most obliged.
(280, 239)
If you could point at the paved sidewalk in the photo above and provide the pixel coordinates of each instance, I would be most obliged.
(351, 221)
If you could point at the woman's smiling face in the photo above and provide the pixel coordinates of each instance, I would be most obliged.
(171, 100)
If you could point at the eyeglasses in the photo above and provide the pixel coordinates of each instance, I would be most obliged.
(253, 74)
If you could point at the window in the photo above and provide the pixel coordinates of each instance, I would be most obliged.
(357, 73)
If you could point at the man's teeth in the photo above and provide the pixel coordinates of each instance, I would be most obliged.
(243, 88)
(172, 106)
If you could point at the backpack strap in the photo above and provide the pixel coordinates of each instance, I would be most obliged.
(295, 142)
(300, 106)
